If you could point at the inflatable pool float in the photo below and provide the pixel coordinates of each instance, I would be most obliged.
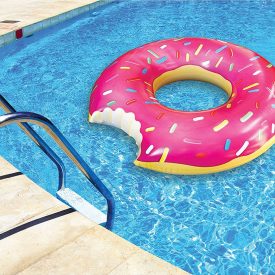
(181, 142)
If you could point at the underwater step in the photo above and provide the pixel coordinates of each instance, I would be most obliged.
(82, 206)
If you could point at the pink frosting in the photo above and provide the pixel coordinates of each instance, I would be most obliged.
(193, 141)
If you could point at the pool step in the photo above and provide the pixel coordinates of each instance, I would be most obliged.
(82, 206)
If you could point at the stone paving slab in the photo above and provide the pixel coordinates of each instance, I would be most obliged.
(68, 244)
(21, 200)
(6, 167)
(98, 253)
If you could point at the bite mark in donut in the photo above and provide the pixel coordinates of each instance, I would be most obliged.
(189, 142)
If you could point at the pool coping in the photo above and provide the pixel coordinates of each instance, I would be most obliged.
(71, 243)
(10, 32)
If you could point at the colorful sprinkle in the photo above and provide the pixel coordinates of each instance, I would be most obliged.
(187, 57)
(147, 83)
(254, 91)
(108, 92)
(221, 49)
(241, 100)
(251, 86)
(219, 62)
(110, 103)
(163, 47)
(257, 105)
(227, 144)
(220, 126)
(207, 52)
(177, 54)
(133, 79)
(273, 106)
(272, 90)
(151, 102)
(164, 155)
(131, 90)
(161, 60)
(264, 122)
(228, 105)
(246, 117)
(269, 66)
(245, 67)
(254, 58)
(150, 92)
(200, 155)
(149, 149)
(192, 141)
(198, 49)
(131, 101)
(241, 150)
(198, 118)
(150, 129)
(144, 71)
(113, 77)
(257, 72)
(186, 43)
(131, 62)
(149, 60)
(205, 63)
(231, 67)
(273, 128)
(260, 134)
(125, 68)
(173, 128)
(239, 81)
(160, 116)
(94, 88)
(153, 53)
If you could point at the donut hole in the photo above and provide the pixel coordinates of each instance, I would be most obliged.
(201, 89)
(190, 96)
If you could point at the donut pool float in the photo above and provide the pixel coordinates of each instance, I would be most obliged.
(180, 142)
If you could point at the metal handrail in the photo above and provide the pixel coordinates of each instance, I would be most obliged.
(52, 130)
(5, 105)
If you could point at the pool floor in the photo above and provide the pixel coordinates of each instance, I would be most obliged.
(210, 224)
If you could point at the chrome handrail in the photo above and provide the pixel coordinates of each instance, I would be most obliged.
(5, 105)
(52, 130)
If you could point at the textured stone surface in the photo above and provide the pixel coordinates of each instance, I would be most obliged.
(144, 263)
(21, 200)
(96, 252)
(100, 252)
(70, 244)
(22, 249)
(6, 167)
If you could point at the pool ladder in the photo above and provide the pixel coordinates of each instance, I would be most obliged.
(66, 194)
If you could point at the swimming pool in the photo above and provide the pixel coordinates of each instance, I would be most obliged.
(220, 223)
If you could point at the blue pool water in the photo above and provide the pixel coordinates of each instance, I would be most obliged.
(210, 224)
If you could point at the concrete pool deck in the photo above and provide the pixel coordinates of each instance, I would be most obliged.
(66, 244)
